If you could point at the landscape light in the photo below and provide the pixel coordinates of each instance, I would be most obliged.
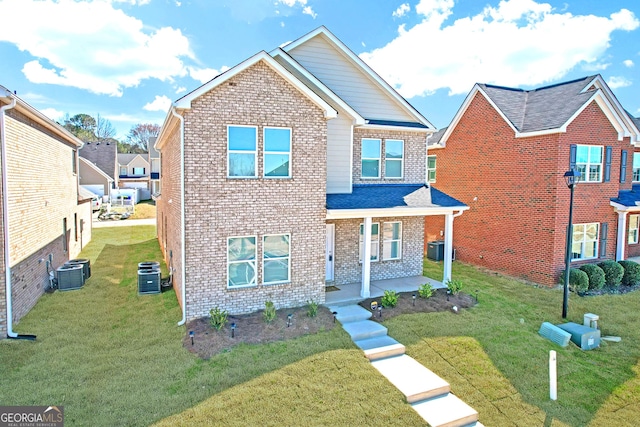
(233, 330)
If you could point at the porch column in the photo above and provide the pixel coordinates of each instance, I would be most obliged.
(622, 228)
(448, 247)
(365, 291)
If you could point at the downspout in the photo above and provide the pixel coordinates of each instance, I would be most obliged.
(183, 257)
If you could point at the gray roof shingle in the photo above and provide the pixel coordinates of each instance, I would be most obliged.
(380, 196)
(101, 154)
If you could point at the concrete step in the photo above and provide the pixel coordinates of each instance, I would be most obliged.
(364, 329)
(380, 347)
(447, 411)
(350, 313)
(414, 380)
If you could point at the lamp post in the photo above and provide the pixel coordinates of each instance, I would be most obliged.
(571, 178)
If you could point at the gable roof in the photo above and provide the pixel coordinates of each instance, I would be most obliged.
(95, 167)
(126, 158)
(550, 109)
(101, 154)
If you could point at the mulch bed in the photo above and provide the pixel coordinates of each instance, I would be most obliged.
(622, 289)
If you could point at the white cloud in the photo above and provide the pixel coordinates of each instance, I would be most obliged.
(519, 42)
(160, 103)
(628, 63)
(307, 10)
(596, 67)
(402, 10)
(133, 2)
(91, 45)
(203, 75)
(616, 82)
(53, 114)
(180, 90)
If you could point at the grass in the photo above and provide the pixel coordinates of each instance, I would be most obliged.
(144, 210)
(114, 358)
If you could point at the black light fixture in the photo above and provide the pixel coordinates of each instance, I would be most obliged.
(191, 335)
(335, 314)
(380, 311)
(448, 293)
(233, 330)
(571, 178)
(289, 316)
(414, 299)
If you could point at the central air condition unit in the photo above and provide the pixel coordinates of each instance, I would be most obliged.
(584, 337)
(149, 281)
(70, 277)
(86, 266)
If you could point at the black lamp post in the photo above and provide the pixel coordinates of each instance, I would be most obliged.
(571, 178)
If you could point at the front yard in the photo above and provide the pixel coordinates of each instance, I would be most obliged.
(114, 358)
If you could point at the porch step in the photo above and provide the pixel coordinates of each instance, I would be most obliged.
(350, 313)
(380, 347)
(414, 380)
(447, 411)
(364, 329)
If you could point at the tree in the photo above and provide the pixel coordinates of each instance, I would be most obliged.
(139, 135)
(104, 129)
(88, 129)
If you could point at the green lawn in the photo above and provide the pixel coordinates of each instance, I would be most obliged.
(114, 358)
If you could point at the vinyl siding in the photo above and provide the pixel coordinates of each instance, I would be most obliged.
(339, 155)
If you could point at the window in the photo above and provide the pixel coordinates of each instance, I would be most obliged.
(242, 151)
(589, 162)
(633, 229)
(74, 161)
(123, 170)
(636, 167)
(392, 240)
(431, 168)
(138, 171)
(585, 241)
(241, 261)
(275, 260)
(277, 152)
(393, 158)
(75, 226)
(375, 239)
(65, 242)
(370, 158)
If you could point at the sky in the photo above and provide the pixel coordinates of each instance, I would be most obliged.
(128, 60)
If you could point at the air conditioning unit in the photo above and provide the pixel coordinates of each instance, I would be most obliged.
(149, 265)
(584, 337)
(149, 281)
(70, 277)
(86, 266)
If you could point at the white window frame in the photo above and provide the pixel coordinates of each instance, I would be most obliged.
(585, 241)
(584, 168)
(401, 159)
(634, 225)
(265, 153)
(288, 258)
(636, 167)
(432, 169)
(255, 154)
(375, 243)
(123, 168)
(390, 242)
(362, 158)
(254, 262)
(137, 169)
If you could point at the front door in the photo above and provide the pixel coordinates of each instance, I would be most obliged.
(331, 229)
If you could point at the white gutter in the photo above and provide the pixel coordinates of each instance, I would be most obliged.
(183, 257)
(5, 219)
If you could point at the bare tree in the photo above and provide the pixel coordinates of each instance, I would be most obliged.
(104, 129)
(139, 135)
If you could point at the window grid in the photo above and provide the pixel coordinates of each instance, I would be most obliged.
(393, 158)
(242, 151)
(636, 167)
(276, 254)
(431, 168)
(585, 241)
(589, 162)
(277, 152)
(375, 242)
(392, 240)
(633, 229)
(241, 261)
(370, 158)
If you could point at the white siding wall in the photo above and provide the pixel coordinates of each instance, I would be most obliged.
(339, 155)
(347, 81)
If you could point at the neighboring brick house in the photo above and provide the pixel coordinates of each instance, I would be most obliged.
(47, 219)
(294, 169)
(133, 171)
(505, 155)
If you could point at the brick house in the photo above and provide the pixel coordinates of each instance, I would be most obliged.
(134, 170)
(294, 169)
(45, 220)
(505, 155)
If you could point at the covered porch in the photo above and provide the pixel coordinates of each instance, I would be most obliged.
(351, 293)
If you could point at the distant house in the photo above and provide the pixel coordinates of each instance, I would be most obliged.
(154, 162)
(133, 171)
(505, 154)
(94, 179)
(293, 170)
(45, 219)
(103, 156)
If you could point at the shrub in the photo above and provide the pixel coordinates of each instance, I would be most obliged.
(595, 275)
(631, 275)
(578, 280)
(269, 312)
(613, 273)
(218, 318)
(425, 291)
(454, 286)
(390, 299)
(312, 308)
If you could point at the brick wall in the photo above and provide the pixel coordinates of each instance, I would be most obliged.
(518, 200)
(348, 269)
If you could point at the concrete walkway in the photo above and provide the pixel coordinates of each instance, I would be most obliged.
(428, 394)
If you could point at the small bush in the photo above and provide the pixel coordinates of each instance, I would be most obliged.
(454, 286)
(390, 299)
(613, 273)
(595, 275)
(218, 318)
(426, 290)
(631, 275)
(578, 280)
(269, 312)
(312, 308)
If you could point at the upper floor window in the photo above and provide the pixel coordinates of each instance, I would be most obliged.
(138, 171)
(123, 170)
(633, 229)
(375, 241)
(585, 241)
(242, 151)
(431, 168)
(371, 158)
(275, 262)
(277, 152)
(636, 167)
(241, 261)
(393, 158)
(589, 162)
